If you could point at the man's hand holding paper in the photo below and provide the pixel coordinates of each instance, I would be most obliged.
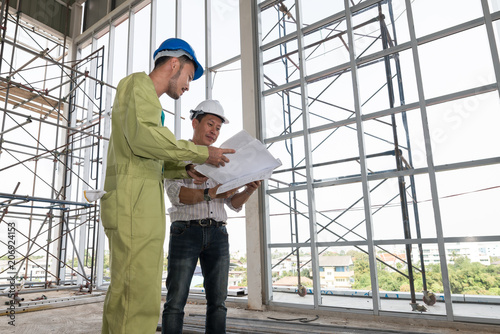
(216, 156)
(251, 162)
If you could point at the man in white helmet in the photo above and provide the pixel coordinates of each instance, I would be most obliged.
(141, 153)
(198, 231)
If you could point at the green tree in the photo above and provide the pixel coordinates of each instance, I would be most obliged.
(305, 273)
(244, 281)
(465, 277)
(362, 280)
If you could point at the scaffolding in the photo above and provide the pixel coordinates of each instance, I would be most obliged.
(50, 154)
(401, 153)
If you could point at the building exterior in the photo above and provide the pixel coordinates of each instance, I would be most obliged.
(336, 271)
(392, 260)
(476, 252)
(281, 266)
(293, 281)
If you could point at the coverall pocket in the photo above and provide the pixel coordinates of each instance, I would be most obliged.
(148, 208)
(108, 211)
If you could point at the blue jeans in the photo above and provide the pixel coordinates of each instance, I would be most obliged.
(187, 244)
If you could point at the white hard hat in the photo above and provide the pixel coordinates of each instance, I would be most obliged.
(209, 107)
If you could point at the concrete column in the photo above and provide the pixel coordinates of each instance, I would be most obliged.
(250, 76)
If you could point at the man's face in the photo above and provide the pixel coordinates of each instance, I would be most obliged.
(179, 82)
(207, 131)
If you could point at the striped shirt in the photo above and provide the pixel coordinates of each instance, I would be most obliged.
(205, 209)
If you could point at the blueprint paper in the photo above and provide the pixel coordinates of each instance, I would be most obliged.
(251, 162)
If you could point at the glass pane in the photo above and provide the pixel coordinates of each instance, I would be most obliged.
(458, 62)
(394, 280)
(432, 16)
(345, 277)
(165, 21)
(473, 270)
(294, 119)
(103, 42)
(291, 268)
(275, 117)
(326, 47)
(335, 153)
(141, 51)
(387, 209)
(278, 21)
(340, 215)
(379, 144)
(280, 64)
(468, 202)
(494, 7)
(237, 249)
(315, 10)
(119, 60)
(331, 99)
(367, 31)
(291, 154)
(465, 129)
(225, 27)
(229, 95)
(380, 141)
(374, 90)
(369, 24)
(289, 218)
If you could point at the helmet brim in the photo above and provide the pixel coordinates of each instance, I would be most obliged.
(198, 70)
(195, 113)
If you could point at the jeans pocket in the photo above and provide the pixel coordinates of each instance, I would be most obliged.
(223, 230)
(177, 228)
(108, 211)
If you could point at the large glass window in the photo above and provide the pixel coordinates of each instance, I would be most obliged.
(403, 155)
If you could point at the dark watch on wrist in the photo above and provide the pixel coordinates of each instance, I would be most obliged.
(206, 196)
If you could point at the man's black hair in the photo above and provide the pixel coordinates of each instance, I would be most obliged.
(182, 60)
(199, 117)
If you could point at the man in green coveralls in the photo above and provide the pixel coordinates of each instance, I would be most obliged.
(141, 154)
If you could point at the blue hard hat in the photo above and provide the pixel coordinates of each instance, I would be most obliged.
(176, 47)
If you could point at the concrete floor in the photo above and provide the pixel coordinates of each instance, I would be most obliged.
(75, 314)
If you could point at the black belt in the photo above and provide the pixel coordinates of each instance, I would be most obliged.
(205, 222)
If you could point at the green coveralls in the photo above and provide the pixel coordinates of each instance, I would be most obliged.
(133, 209)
